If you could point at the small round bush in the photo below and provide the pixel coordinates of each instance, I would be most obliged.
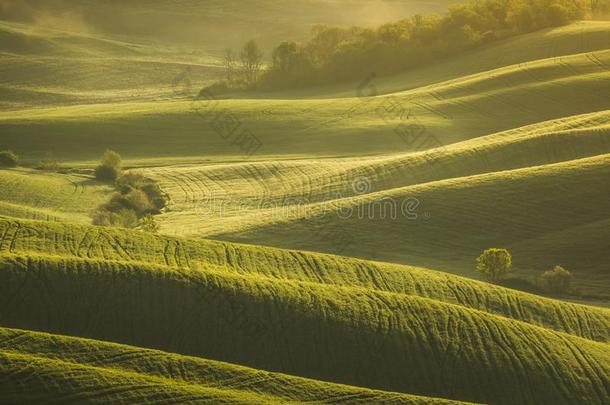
(155, 195)
(8, 159)
(149, 224)
(130, 180)
(105, 218)
(111, 158)
(128, 218)
(107, 173)
(138, 201)
(557, 281)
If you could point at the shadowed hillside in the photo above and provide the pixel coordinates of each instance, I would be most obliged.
(38, 365)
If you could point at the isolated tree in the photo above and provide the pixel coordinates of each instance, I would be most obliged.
(110, 166)
(229, 60)
(251, 61)
(8, 158)
(557, 280)
(494, 263)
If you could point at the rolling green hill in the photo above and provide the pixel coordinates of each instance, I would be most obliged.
(335, 325)
(213, 24)
(440, 232)
(22, 237)
(161, 132)
(36, 365)
(45, 66)
(272, 202)
(50, 196)
(318, 245)
(209, 199)
(83, 52)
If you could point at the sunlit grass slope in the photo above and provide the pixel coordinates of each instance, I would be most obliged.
(82, 51)
(271, 201)
(26, 193)
(206, 200)
(22, 237)
(457, 218)
(35, 366)
(43, 66)
(452, 110)
(294, 322)
(215, 24)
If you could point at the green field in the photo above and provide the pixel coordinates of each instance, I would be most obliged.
(249, 314)
(55, 365)
(318, 245)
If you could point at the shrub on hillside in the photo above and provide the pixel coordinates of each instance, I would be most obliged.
(149, 224)
(494, 263)
(110, 167)
(138, 201)
(49, 163)
(107, 173)
(558, 15)
(556, 281)
(136, 181)
(155, 196)
(137, 198)
(125, 218)
(8, 158)
(111, 158)
(131, 180)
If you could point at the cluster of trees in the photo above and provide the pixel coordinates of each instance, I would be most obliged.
(243, 68)
(334, 54)
(136, 201)
(496, 263)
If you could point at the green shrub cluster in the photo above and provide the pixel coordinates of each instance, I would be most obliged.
(136, 201)
(110, 167)
(556, 281)
(8, 158)
(49, 163)
(334, 54)
(496, 263)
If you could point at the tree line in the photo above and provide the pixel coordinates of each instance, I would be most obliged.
(337, 54)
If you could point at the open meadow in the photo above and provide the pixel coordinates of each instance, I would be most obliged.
(188, 219)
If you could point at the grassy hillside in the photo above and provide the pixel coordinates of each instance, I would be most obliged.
(82, 51)
(206, 200)
(490, 117)
(347, 334)
(337, 227)
(553, 43)
(36, 365)
(214, 24)
(21, 237)
(45, 66)
(451, 111)
(271, 202)
(454, 220)
(36, 194)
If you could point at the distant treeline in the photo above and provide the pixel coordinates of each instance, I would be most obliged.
(334, 54)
